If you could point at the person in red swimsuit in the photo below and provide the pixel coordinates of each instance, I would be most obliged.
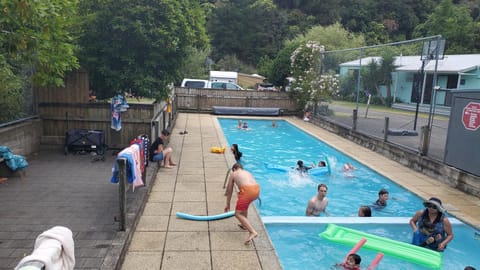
(249, 191)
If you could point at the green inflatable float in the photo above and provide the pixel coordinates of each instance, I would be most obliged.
(401, 250)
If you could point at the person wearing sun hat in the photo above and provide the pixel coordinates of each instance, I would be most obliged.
(431, 228)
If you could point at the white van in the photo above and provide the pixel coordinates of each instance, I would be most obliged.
(194, 83)
(197, 83)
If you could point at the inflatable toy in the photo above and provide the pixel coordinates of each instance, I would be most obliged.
(219, 150)
(401, 250)
(277, 168)
(205, 218)
(321, 170)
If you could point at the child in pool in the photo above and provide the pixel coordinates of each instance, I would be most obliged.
(352, 262)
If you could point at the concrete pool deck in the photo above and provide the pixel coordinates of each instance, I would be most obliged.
(195, 186)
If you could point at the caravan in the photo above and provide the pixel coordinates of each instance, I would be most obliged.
(223, 76)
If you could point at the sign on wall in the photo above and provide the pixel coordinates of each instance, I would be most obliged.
(471, 116)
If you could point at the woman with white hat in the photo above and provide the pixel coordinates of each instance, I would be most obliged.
(431, 228)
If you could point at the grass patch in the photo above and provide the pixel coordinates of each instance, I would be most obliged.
(380, 108)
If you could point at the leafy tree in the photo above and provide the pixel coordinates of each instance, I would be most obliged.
(197, 64)
(39, 34)
(232, 63)
(280, 67)
(379, 72)
(247, 29)
(333, 37)
(454, 23)
(139, 46)
(326, 12)
(11, 93)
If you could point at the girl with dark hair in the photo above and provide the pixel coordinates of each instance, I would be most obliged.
(236, 153)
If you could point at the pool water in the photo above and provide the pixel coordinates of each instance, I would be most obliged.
(300, 247)
(283, 146)
(287, 194)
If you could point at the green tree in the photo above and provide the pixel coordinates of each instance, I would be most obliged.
(139, 46)
(249, 30)
(455, 24)
(379, 72)
(39, 34)
(280, 66)
(333, 37)
(197, 64)
(325, 12)
(11, 93)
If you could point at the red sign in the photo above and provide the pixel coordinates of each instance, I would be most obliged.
(471, 116)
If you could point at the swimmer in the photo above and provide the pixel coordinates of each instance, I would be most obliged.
(353, 262)
(348, 167)
(302, 168)
(318, 203)
(364, 211)
(245, 125)
(274, 123)
(239, 124)
(381, 202)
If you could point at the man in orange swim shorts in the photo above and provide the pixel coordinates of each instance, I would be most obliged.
(249, 191)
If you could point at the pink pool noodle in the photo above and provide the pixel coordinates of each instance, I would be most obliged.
(375, 261)
(356, 248)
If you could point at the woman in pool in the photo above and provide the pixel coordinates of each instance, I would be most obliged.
(236, 153)
(431, 228)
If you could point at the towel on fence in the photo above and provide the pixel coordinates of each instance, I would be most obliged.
(134, 173)
(54, 248)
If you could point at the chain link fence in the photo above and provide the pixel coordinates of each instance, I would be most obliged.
(391, 91)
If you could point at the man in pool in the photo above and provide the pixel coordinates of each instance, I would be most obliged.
(249, 191)
(318, 203)
(381, 202)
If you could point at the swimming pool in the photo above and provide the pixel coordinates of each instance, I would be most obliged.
(286, 194)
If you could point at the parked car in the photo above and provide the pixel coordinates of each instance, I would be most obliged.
(225, 85)
(197, 83)
(266, 87)
(194, 83)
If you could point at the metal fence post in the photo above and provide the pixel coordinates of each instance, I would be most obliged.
(424, 140)
(122, 183)
(385, 132)
(355, 117)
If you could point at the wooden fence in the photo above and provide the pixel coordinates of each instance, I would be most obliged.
(202, 100)
(75, 91)
(57, 118)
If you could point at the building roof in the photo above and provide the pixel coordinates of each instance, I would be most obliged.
(450, 63)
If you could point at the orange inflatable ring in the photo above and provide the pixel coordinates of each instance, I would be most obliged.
(219, 150)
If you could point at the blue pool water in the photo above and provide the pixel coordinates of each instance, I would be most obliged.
(286, 194)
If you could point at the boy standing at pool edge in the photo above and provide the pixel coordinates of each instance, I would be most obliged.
(249, 191)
